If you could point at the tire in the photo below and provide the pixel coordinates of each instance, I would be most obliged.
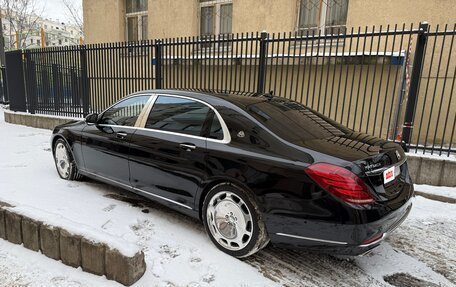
(64, 161)
(233, 221)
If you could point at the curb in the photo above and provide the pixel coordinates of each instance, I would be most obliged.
(436, 197)
(72, 249)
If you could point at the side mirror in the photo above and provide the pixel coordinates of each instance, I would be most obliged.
(92, 118)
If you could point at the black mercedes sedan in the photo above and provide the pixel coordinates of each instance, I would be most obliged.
(253, 168)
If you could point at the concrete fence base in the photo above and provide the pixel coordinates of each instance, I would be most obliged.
(432, 170)
(37, 121)
(72, 249)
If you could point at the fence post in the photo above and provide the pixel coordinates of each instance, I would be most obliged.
(414, 83)
(31, 86)
(262, 62)
(158, 64)
(4, 86)
(15, 81)
(85, 97)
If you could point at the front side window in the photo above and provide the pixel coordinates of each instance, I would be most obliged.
(136, 19)
(125, 113)
(322, 16)
(178, 115)
(216, 17)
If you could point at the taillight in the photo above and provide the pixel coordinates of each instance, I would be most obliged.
(340, 182)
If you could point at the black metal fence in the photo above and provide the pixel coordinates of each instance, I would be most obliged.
(380, 80)
(3, 89)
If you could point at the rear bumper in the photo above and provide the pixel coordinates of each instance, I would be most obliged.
(335, 238)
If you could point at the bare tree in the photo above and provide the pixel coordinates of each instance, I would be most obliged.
(74, 12)
(22, 17)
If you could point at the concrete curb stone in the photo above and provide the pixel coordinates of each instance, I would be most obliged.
(70, 249)
(126, 270)
(13, 223)
(31, 233)
(92, 257)
(50, 241)
(2, 224)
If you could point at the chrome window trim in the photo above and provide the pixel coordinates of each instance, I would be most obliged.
(148, 108)
(145, 111)
(226, 134)
(124, 99)
(137, 189)
(163, 132)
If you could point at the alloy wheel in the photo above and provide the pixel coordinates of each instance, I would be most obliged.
(62, 160)
(230, 220)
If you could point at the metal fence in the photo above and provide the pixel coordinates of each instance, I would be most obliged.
(3, 90)
(380, 80)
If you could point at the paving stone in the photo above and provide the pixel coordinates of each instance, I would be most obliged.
(31, 233)
(92, 257)
(13, 227)
(124, 269)
(70, 249)
(50, 241)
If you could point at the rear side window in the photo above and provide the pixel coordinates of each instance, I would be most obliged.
(293, 121)
(215, 130)
(126, 112)
(179, 115)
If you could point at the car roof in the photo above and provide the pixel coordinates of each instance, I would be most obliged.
(240, 99)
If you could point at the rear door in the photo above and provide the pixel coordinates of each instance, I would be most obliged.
(167, 156)
(105, 145)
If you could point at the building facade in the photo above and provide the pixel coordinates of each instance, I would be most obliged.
(123, 20)
(37, 32)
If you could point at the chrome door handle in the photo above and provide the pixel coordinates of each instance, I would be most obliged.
(121, 135)
(187, 147)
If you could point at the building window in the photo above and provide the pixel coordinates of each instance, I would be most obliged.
(136, 20)
(322, 16)
(38, 42)
(216, 17)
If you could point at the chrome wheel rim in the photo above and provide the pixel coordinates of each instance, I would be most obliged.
(229, 220)
(61, 160)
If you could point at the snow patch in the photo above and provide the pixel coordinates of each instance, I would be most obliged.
(56, 220)
(437, 190)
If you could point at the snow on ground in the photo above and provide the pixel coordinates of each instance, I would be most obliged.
(445, 191)
(178, 252)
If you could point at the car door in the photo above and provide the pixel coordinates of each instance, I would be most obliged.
(167, 156)
(105, 145)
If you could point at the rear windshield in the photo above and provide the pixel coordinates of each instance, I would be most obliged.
(293, 121)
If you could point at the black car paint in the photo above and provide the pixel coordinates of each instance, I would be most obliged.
(256, 160)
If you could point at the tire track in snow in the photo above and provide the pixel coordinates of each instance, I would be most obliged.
(298, 268)
(431, 243)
